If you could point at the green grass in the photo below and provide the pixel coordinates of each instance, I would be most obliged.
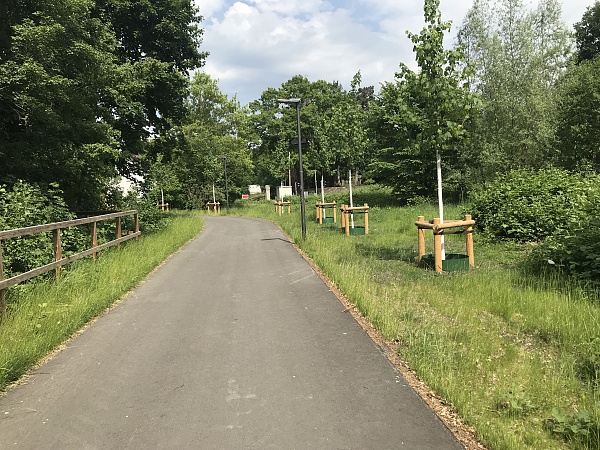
(503, 348)
(44, 314)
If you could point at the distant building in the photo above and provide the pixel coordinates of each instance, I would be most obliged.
(254, 189)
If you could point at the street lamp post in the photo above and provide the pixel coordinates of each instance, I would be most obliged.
(224, 158)
(297, 101)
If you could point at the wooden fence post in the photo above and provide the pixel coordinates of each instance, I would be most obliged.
(469, 239)
(366, 218)
(334, 212)
(57, 249)
(119, 232)
(2, 291)
(94, 239)
(347, 224)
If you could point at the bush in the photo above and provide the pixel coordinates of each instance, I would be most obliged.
(151, 217)
(575, 255)
(24, 206)
(526, 205)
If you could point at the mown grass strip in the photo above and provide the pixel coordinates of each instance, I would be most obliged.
(513, 354)
(44, 314)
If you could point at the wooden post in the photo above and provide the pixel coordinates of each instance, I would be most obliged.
(318, 212)
(437, 245)
(334, 212)
(469, 242)
(94, 239)
(343, 213)
(366, 218)
(347, 224)
(57, 249)
(2, 291)
(137, 224)
(119, 232)
(421, 232)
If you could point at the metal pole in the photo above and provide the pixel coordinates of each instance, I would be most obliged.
(302, 205)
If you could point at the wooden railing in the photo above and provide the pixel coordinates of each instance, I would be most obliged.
(59, 261)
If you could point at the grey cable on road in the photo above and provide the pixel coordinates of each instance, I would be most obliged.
(234, 343)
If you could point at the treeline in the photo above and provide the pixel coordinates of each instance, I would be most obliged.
(92, 90)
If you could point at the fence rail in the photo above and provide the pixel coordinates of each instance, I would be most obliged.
(59, 261)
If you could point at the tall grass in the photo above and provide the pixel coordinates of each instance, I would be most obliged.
(513, 354)
(44, 314)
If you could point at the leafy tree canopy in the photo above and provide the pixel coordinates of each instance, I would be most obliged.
(587, 33)
(77, 102)
(423, 112)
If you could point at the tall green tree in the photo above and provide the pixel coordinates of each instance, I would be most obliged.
(343, 134)
(215, 136)
(423, 113)
(517, 55)
(587, 33)
(578, 130)
(88, 87)
(157, 44)
(56, 67)
(276, 128)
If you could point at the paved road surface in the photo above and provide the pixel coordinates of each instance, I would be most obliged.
(235, 343)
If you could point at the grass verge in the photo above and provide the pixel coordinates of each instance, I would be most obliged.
(44, 314)
(517, 357)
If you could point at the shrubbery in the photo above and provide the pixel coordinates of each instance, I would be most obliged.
(23, 206)
(556, 208)
(576, 254)
(529, 206)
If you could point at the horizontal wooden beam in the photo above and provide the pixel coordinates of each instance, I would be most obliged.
(4, 284)
(58, 225)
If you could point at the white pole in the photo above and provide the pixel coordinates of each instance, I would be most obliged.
(440, 199)
(351, 203)
(162, 198)
(214, 199)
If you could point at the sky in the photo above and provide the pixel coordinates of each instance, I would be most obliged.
(257, 44)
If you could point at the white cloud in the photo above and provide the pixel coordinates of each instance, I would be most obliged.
(209, 7)
(257, 44)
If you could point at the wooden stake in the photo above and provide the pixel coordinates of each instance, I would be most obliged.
(57, 249)
(469, 242)
(94, 239)
(2, 291)
(119, 232)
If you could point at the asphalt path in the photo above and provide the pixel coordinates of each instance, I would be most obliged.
(234, 343)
